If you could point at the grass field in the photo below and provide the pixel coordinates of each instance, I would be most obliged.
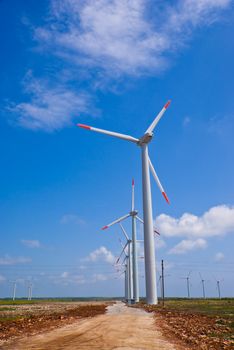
(8, 301)
(218, 307)
(201, 323)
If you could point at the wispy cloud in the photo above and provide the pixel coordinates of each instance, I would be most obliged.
(31, 243)
(99, 277)
(223, 127)
(8, 260)
(66, 278)
(187, 245)
(2, 279)
(186, 121)
(219, 256)
(101, 254)
(49, 107)
(105, 40)
(71, 218)
(124, 37)
(217, 221)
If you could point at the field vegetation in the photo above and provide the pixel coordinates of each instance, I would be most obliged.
(197, 323)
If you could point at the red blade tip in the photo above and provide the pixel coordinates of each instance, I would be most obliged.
(165, 196)
(133, 183)
(84, 126)
(104, 227)
(167, 104)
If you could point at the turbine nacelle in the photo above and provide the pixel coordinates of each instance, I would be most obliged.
(133, 213)
(145, 139)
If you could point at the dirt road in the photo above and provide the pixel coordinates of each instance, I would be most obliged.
(121, 328)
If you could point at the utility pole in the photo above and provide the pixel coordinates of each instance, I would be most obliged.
(163, 289)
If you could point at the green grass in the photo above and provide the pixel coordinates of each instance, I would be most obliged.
(6, 309)
(215, 307)
(23, 301)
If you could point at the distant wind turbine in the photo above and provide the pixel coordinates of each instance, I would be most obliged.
(203, 285)
(133, 214)
(187, 278)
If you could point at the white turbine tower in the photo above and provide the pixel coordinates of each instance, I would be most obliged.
(203, 286)
(14, 283)
(150, 270)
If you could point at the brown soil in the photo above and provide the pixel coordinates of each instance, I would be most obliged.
(121, 328)
(194, 330)
(32, 319)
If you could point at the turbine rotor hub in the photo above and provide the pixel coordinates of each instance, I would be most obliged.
(146, 138)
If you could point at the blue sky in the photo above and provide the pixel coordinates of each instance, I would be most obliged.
(113, 65)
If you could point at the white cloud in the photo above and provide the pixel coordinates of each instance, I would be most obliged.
(99, 277)
(101, 254)
(133, 37)
(66, 278)
(7, 260)
(49, 107)
(187, 245)
(186, 121)
(71, 218)
(217, 221)
(219, 256)
(160, 243)
(65, 274)
(2, 279)
(31, 243)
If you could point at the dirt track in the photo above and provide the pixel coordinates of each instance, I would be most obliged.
(121, 328)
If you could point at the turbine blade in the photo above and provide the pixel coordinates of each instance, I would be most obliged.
(110, 133)
(116, 221)
(122, 251)
(157, 181)
(124, 232)
(143, 223)
(121, 243)
(158, 117)
(139, 219)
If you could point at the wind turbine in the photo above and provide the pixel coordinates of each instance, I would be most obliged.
(218, 286)
(14, 289)
(203, 285)
(30, 285)
(128, 268)
(187, 283)
(150, 271)
(125, 272)
(133, 214)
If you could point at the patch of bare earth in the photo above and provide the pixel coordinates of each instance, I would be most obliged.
(26, 320)
(194, 330)
(120, 328)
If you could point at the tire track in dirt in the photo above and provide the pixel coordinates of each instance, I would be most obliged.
(121, 328)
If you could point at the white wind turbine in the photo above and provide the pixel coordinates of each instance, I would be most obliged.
(150, 271)
(203, 285)
(127, 262)
(133, 213)
(14, 283)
